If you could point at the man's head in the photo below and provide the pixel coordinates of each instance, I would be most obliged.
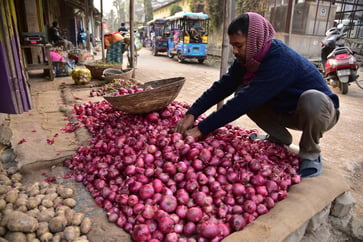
(55, 24)
(248, 34)
(237, 31)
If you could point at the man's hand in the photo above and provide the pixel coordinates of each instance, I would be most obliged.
(185, 124)
(195, 132)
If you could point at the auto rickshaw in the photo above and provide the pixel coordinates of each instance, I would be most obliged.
(158, 35)
(189, 36)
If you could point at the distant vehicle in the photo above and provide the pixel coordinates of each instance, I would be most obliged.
(188, 36)
(158, 35)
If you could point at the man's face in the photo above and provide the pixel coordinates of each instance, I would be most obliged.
(239, 43)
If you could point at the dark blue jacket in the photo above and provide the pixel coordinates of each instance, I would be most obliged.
(281, 78)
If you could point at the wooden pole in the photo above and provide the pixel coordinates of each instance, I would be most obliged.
(132, 46)
(102, 40)
(225, 43)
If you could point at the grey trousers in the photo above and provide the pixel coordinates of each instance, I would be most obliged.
(314, 115)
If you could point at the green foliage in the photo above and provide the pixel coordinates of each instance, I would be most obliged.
(215, 13)
(148, 9)
(174, 9)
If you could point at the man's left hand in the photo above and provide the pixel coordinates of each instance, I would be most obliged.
(195, 132)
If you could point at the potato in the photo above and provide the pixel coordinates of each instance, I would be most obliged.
(46, 237)
(16, 236)
(22, 208)
(70, 202)
(51, 196)
(57, 201)
(33, 212)
(39, 197)
(5, 180)
(2, 231)
(34, 186)
(31, 236)
(57, 237)
(21, 201)
(65, 192)
(86, 225)
(4, 189)
(47, 203)
(33, 202)
(52, 188)
(2, 204)
(69, 214)
(71, 233)
(43, 185)
(57, 224)
(77, 218)
(34, 240)
(46, 215)
(17, 177)
(42, 228)
(33, 192)
(12, 196)
(21, 222)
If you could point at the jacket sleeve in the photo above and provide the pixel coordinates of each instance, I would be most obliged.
(218, 91)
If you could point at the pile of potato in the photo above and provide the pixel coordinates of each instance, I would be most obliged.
(39, 212)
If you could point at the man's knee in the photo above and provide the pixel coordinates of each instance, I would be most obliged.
(313, 101)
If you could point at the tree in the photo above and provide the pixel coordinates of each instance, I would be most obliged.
(148, 9)
(174, 9)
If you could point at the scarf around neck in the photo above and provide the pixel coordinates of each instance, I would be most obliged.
(259, 39)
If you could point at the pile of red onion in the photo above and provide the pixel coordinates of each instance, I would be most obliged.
(159, 186)
(118, 91)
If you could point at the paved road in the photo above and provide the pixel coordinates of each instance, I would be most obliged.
(341, 146)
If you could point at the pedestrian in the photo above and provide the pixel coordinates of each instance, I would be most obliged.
(82, 37)
(275, 86)
(56, 38)
(122, 28)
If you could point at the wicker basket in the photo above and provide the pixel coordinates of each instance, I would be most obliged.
(110, 74)
(97, 68)
(163, 92)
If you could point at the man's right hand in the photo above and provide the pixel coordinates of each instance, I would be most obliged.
(185, 124)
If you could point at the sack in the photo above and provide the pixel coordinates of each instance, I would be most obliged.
(138, 44)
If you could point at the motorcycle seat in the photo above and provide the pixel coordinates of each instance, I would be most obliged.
(340, 50)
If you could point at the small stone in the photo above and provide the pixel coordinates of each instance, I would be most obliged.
(5, 135)
(343, 205)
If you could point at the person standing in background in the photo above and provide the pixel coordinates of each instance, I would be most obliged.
(56, 38)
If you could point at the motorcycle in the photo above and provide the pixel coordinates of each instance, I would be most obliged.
(339, 63)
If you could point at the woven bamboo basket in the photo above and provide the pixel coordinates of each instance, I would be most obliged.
(110, 74)
(97, 68)
(163, 92)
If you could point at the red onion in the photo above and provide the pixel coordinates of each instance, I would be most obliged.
(237, 222)
(166, 224)
(141, 232)
(168, 203)
(194, 214)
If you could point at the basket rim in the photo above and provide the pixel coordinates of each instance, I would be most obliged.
(181, 80)
(126, 71)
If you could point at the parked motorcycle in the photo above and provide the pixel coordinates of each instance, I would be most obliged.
(339, 63)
